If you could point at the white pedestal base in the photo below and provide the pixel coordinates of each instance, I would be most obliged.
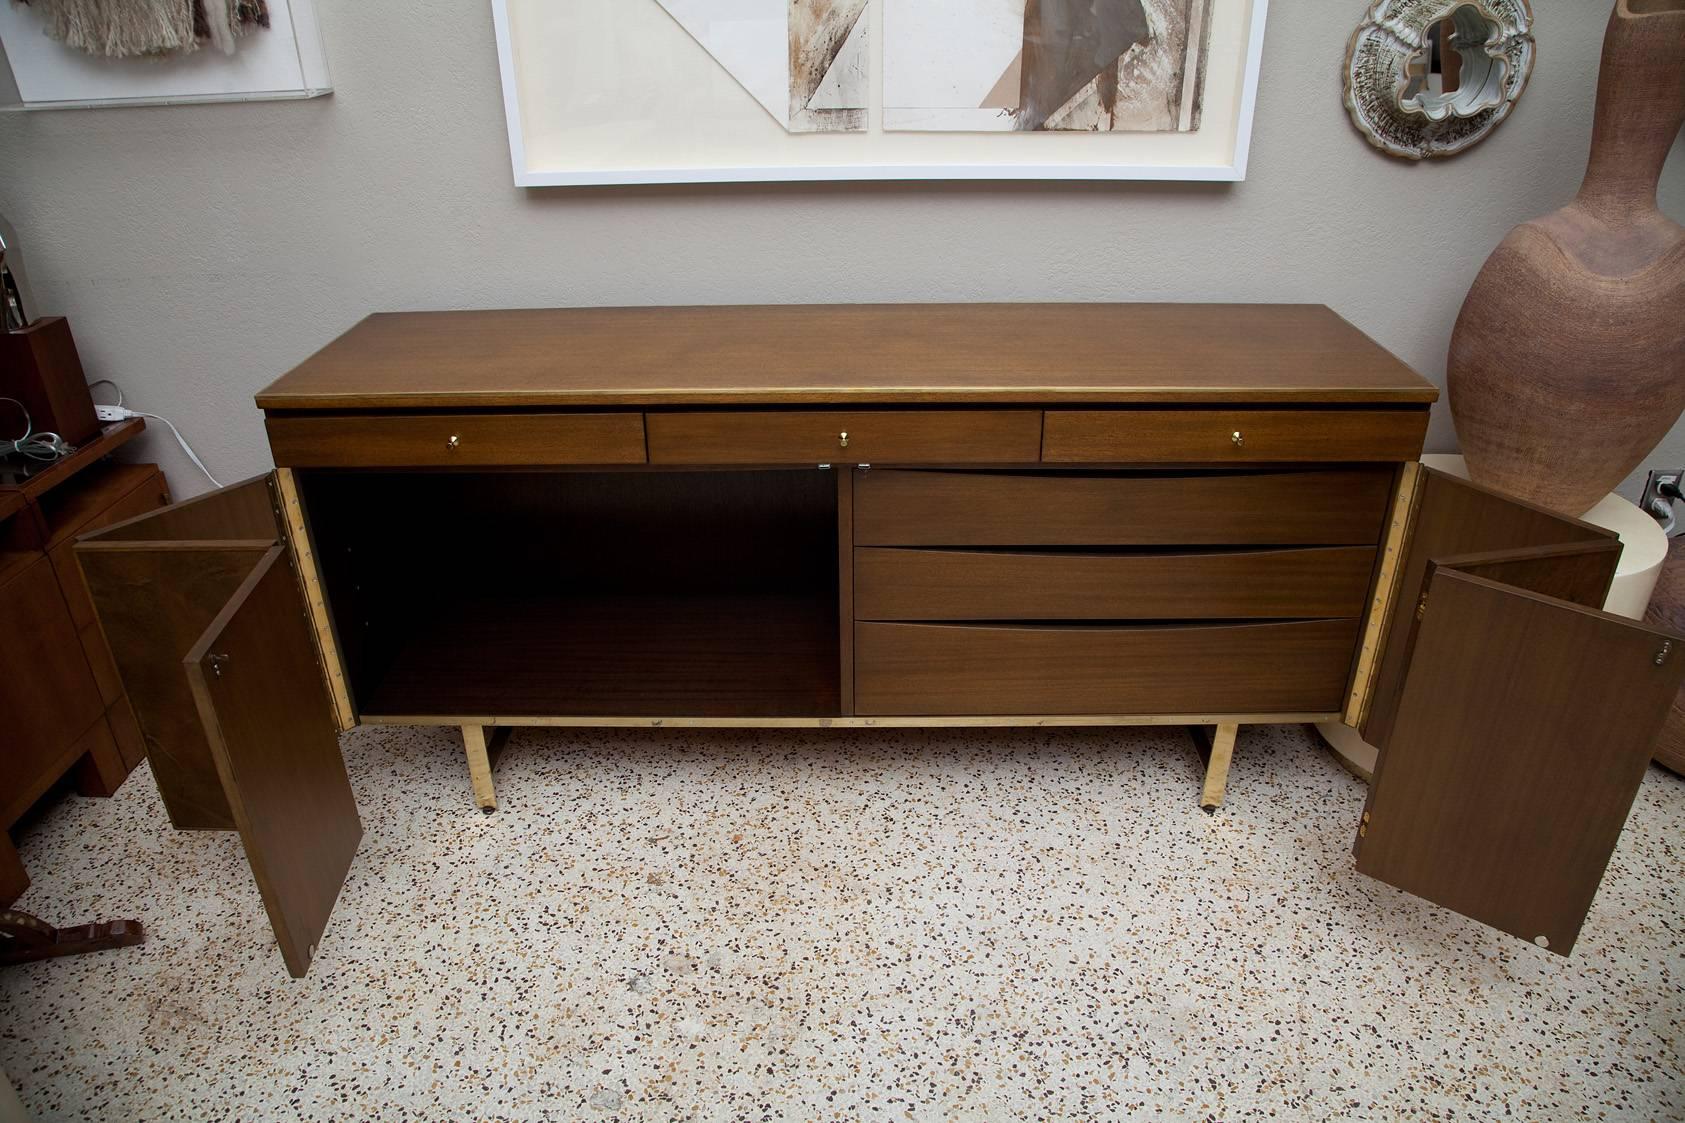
(1643, 549)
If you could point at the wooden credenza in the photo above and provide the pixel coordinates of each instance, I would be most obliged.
(62, 706)
(879, 516)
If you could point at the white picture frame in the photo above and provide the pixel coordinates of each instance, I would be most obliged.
(545, 71)
(285, 61)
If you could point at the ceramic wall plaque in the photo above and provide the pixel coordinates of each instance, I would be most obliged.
(1432, 78)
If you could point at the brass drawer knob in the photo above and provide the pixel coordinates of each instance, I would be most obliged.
(453, 442)
(1237, 438)
(843, 437)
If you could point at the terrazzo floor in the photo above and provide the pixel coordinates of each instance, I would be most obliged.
(892, 925)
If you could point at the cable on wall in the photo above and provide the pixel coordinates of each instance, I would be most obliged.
(119, 412)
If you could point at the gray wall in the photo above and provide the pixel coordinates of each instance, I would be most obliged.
(201, 251)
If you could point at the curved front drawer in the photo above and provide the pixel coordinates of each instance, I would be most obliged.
(1334, 507)
(977, 670)
(912, 584)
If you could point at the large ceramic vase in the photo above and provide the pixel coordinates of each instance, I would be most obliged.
(1567, 365)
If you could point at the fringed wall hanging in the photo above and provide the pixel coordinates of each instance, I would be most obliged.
(102, 52)
(128, 28)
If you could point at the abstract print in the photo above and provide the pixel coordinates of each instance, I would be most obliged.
(1045, 65)
(804, 61)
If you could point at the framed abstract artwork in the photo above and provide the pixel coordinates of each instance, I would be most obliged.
(694, 91)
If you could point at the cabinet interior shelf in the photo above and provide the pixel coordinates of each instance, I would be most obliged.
(631, 656)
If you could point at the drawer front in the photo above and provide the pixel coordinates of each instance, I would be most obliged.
(1233, 436)
(864, 437)
(910, 584)
(958, 669)
(457, 440)
(1336, 507)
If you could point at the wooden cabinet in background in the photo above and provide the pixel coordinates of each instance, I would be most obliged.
(63, 700)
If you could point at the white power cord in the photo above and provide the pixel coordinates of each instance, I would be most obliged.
(36, 446)
(119, 413)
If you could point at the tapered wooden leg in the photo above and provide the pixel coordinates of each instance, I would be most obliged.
(1217, 767)
(483, 744)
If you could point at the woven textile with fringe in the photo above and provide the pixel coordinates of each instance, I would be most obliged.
(128, 28)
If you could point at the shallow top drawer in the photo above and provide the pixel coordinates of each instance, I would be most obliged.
(1129, 436)
(846, 437)
(457, 440)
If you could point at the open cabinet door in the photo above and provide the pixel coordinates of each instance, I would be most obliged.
(1522, 731)
(268, 718)
(1438, 517)
(157, 580)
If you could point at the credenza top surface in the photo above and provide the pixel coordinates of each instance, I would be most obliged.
(900, 354)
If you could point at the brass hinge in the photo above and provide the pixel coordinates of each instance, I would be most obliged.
(1422, 606)
(1665, 650)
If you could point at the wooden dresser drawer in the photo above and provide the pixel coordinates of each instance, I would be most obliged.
(971, 669)
(911, 584)
(447, 440)
(1128, 436)
(859, 437)
(1276, 508)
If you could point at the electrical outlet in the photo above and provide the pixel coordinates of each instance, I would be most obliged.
(110, 413)
(1661, 491)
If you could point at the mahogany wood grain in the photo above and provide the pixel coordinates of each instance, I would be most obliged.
(649, 654)
(668, 534)
(1667, 609)
(912, 584)
(1523, 733)
(268, 718)
(42, 478)
(241, 511)
(975, 669)
(89, 505)
(47, 693)
(1452, 518)
(100, 769)
(23, 789)
(1233, 435)
(933, 508)
(149, 493)
(100, 662)
(14, 879)
(1577, 572)
(457, 440)
(845, 588)
(849, 354)
(125, 731)
(846, 437)
(40, 367)
(156, 581)
(154, 602)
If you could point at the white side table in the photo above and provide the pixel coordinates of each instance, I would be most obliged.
(1643, 549)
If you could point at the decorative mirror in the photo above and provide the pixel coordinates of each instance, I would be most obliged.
(1432, 78)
